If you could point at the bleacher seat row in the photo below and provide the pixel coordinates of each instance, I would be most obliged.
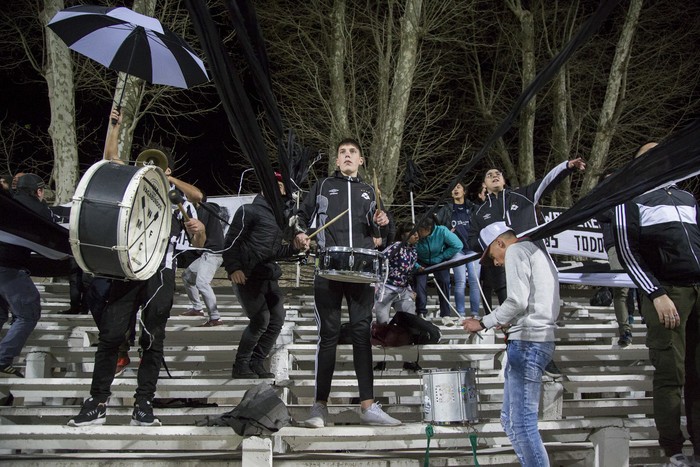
(598, 413)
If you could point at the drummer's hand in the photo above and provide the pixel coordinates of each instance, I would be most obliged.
(472, 325)
(237, 277)
(195, 227)
(302, 241)
(115, 117)
(380, 218)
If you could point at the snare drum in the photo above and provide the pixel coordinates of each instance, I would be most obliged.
(346, 264)
(450, 397)
(120, 220)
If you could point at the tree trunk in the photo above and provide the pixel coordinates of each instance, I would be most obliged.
(129, 93)
(560, 137)
(340, 127)
(614, 97)
(391, 130)
(58, 72)
(526, 159)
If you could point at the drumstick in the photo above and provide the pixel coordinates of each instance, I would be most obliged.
(376, 190)
(176, 198)
(327, 224)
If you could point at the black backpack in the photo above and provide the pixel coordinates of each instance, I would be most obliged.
(405, 329)
(260, 412)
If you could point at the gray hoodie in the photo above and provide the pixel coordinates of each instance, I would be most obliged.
(532, 306)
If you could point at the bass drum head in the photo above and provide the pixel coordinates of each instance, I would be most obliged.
(120, 221)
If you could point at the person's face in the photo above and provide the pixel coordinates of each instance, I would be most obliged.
(413, 239)
(422, 233)
(349, 160)
(497, 252)
(458, 192)
(280, 185)
(494, 181)
(4, 184)
(483, 193)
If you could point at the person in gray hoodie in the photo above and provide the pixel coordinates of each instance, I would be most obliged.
(529, 312)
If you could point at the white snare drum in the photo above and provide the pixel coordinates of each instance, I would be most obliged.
(450, 397)
(346, 264)
(120, 220)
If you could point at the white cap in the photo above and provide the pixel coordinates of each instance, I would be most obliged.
(488, 234)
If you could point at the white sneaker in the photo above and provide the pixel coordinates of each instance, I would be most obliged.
(447, 321)
(679, 460)
(374, 415)
(317, 416)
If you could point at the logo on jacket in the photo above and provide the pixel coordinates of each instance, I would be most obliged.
(333, 191)
(365, 195)
(513, 207)
(487, 216)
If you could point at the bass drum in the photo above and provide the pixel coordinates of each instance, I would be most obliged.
(346, 264)
(120, 220)
(450, 397)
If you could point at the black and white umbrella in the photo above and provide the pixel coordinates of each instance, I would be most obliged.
(130, 42)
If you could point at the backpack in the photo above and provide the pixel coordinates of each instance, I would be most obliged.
(260, 412)
(405, 329)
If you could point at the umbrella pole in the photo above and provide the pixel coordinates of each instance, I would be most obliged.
(138, 31)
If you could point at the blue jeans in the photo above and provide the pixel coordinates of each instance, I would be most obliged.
(470, 271)
(521, 399)
(22, 297)
(443, 280)
(473, 274)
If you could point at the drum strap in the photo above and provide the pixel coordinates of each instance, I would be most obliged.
(472, 441)
(429, 432)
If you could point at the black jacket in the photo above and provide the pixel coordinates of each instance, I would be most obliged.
(15, 256)
(330, 197)
(255, 241)
(658, 239)
(516, 207)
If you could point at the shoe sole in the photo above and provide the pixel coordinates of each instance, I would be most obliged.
(314, 424)
(155, 422)
(99, 421)
(382, 424)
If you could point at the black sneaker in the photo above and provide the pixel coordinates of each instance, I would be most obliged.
(91, 413)
(11, 371)
(143, 414)
(552, 370)
(259, 369)
(380, 366)
(625, 339)
(243, 372)
(412, 366)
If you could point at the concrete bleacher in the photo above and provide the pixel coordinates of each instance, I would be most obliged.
(598, 413)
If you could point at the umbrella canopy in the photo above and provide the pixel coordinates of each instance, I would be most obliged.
(130, 42)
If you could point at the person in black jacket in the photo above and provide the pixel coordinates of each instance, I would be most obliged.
(357, 228)
(657, 236)
(17, 290)
(253, 242)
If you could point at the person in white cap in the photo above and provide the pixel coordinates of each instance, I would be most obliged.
(529, 311)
